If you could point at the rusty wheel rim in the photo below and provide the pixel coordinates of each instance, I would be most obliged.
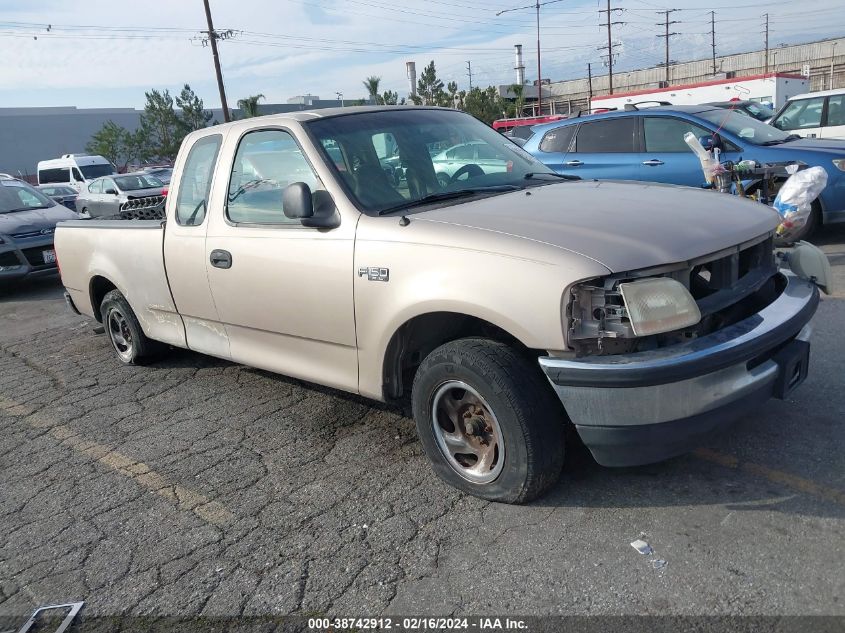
(467, 432)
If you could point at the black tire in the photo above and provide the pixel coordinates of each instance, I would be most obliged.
(806, 231)
(530, 419)
(130, 344)
(444, 180)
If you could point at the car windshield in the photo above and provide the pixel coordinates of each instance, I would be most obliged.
(95, 171)
(58, 191)
(759, 111)
(392, 159)
(137, 181)
(745, 127)
(18, 196)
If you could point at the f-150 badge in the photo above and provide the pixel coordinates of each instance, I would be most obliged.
(374, 273)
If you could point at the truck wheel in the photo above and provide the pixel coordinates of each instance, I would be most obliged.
(128, 339)
(488, 420)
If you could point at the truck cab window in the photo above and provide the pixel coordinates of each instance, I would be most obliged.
(192, 200)
(267, 161)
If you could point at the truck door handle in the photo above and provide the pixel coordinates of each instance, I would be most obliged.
(221, 259)
(652, 163)
(574, 163)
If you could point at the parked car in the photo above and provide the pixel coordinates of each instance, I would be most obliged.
(814, 115)
(759, 111)
(139, 194)
(62, 194)
(27, 222)
(648, 144)
(73, 170)
(494, 303)
(465, 159)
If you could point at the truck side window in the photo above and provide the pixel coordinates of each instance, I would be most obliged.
(192, 200)
(267, 161)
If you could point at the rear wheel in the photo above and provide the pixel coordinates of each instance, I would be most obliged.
(124, 331)
(488, 420)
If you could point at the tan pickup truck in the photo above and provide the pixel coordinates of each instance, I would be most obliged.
(503, 300)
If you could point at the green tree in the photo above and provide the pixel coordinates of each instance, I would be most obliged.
(372, 85)
(519, 101)
(162, 127)
(430, 88)
(390, 98)
(117, 144)
(453, 96)
(194, 115)
(249, 106)
(485, 105)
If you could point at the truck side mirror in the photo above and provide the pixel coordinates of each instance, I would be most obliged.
(315, 210)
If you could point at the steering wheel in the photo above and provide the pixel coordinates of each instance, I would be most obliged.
(471, 170)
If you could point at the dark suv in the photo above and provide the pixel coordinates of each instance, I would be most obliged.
(27, 222)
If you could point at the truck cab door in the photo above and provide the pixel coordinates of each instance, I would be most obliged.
(188, 207)
(283, 290)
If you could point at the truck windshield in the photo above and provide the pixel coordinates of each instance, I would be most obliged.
(95, 171)
(745, 127)
(389, 158)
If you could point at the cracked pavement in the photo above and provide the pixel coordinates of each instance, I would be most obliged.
(195, 486)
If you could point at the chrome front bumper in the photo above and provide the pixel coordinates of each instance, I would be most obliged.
(647, 406)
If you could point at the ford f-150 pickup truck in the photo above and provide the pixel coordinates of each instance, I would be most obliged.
(503, 303)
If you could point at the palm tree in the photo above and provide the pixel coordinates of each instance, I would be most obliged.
(372, 86)
(249, 106)
(519, 93)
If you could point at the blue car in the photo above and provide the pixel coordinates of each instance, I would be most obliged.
(648, 144)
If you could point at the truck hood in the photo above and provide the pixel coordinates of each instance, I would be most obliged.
(34, 220)
(622, 225)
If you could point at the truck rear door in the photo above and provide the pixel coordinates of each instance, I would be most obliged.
(185, 254)
(282, 290)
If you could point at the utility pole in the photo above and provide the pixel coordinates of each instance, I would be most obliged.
(766, 65)
(212, 40)
(713, 37)
(610, 45)
(536, 6)
(590, 83)
(469, 72)
(832, 59)
(667, 35)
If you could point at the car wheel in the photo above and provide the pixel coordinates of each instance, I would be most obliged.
(84, 214)
(806, 231)
(488, 420)
(443, 179)
(124, 331)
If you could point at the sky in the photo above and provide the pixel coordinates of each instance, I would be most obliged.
(106, 53)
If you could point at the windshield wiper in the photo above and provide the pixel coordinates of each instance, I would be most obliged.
(531, 175)
(448, 195)
(23, 209)
(791, 137)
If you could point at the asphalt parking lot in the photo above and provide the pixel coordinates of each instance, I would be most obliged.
(196, 486)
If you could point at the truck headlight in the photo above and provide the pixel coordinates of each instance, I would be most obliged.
(658, 305)
(840, 163)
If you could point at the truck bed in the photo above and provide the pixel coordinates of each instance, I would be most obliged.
(127, 253)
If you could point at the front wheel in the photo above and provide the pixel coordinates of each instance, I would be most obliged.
(124, 331)
(488, 420)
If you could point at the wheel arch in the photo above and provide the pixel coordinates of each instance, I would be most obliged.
(99, 287)
(419, 335)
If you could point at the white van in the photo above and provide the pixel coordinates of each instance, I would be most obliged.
(74, 170)
(814, 115)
